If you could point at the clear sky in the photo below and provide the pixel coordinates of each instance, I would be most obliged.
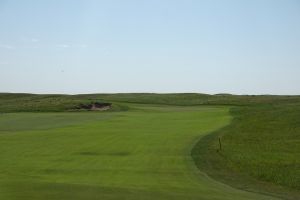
(59, 46)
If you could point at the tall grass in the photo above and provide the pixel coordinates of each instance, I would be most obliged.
(262, 142)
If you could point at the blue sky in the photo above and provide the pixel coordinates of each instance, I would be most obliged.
(59, 46)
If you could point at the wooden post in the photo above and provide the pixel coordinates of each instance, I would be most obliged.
(220, 144)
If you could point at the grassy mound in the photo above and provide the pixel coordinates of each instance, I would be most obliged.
(261, 143)
(10, 102)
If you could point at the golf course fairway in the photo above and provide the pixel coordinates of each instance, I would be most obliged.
(143, 153)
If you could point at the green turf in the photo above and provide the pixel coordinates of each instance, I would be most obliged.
(143, 153)
(261, 143)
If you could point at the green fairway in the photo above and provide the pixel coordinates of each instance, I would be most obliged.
(143, 153)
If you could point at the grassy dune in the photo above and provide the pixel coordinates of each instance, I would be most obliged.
(10, 102)
(261, 143)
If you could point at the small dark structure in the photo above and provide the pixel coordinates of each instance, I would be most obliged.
(95, 106)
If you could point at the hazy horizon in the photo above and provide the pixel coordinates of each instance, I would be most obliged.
(211, 47)
(234, 94)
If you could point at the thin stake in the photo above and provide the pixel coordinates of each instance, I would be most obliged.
(220, 144)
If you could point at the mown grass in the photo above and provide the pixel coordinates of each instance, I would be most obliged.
(262, 142)
(143, 153)
(39, 151)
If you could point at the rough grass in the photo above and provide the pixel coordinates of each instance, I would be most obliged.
(10, 102)
(262, 142)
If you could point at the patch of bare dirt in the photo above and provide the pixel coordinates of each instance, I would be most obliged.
(95, 106)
